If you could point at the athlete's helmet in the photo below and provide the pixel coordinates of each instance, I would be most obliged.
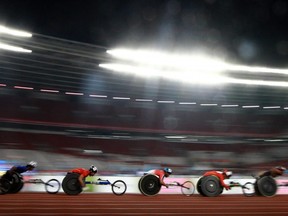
(281, 168)
(93, 169)
(32, 164)
(168, 170)
(227, 173)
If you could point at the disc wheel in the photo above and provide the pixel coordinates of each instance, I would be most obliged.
(248, 189)
(119, 187)
(267, 186)
(210, 186)
(71, 185)
(149, 185)
(52, 186)
(199, 187)
(4, 186)
(17, 183)
(187, 188)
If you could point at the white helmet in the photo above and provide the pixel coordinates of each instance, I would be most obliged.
(228, 173)
(281, 168)
(32, 164)
(93, 169)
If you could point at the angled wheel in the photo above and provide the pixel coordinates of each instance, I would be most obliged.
(149, 185)
(248, 189)
(71, 185)
(4, 186)
(119, 187)
(210, 186)
(17, 183)
(256, 189)
(267, 186)
(199, 187)
(187, 188)
(52, 186)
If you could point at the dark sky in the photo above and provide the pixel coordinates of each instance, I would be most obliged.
(248, 31)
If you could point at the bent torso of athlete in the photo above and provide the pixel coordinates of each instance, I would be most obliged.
(83, 173)
(220, 175)
(273, 172)
(161, 174)
(19, 169)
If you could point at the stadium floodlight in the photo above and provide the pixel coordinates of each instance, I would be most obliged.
(253, 69)
(13, 48)
(193, 62)
(14, 32)
(199, 69)
(199, 62)
(188, 77)
(176, 74)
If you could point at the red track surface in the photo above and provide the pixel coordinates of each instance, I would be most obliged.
(34, 204)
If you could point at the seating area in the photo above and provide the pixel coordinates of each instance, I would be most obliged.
(169, 118)
(59, 130)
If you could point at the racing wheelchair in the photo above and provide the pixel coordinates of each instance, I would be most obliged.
(15, 183)
(210, 186)
(149, 185)
(71, 185)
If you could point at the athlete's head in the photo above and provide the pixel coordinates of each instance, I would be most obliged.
(167, 171)
(93, 170)
(31, 165)
(227, 173)
(281, 168)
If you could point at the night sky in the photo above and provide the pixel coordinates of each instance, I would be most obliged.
(248, 31)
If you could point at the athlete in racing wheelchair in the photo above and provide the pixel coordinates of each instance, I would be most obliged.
(265, 184)
(12, 180)
(150, 183)
(211, 184)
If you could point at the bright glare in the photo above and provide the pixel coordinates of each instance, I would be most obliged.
(14, 48)
(256, 69)
(158, 59)
(14, 32)
(184, 76)
(194, 69)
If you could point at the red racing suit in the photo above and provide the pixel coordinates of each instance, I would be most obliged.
(160, 174)
(219, 175)
(81, 171)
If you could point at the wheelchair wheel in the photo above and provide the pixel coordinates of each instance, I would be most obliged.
(199, 187)
(71, 185)
(149, 185)
(4, 186)
(187, 188)
(17, 183)
(52, 186)
(210, 186)
(119, 187)
(248, 189)
(267, 186)
(256, 189)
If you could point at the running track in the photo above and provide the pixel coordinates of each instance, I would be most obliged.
(38, 204)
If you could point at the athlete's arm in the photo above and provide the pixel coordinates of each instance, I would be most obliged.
(81, 180)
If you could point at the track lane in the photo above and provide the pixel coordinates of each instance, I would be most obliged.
(130, 204)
